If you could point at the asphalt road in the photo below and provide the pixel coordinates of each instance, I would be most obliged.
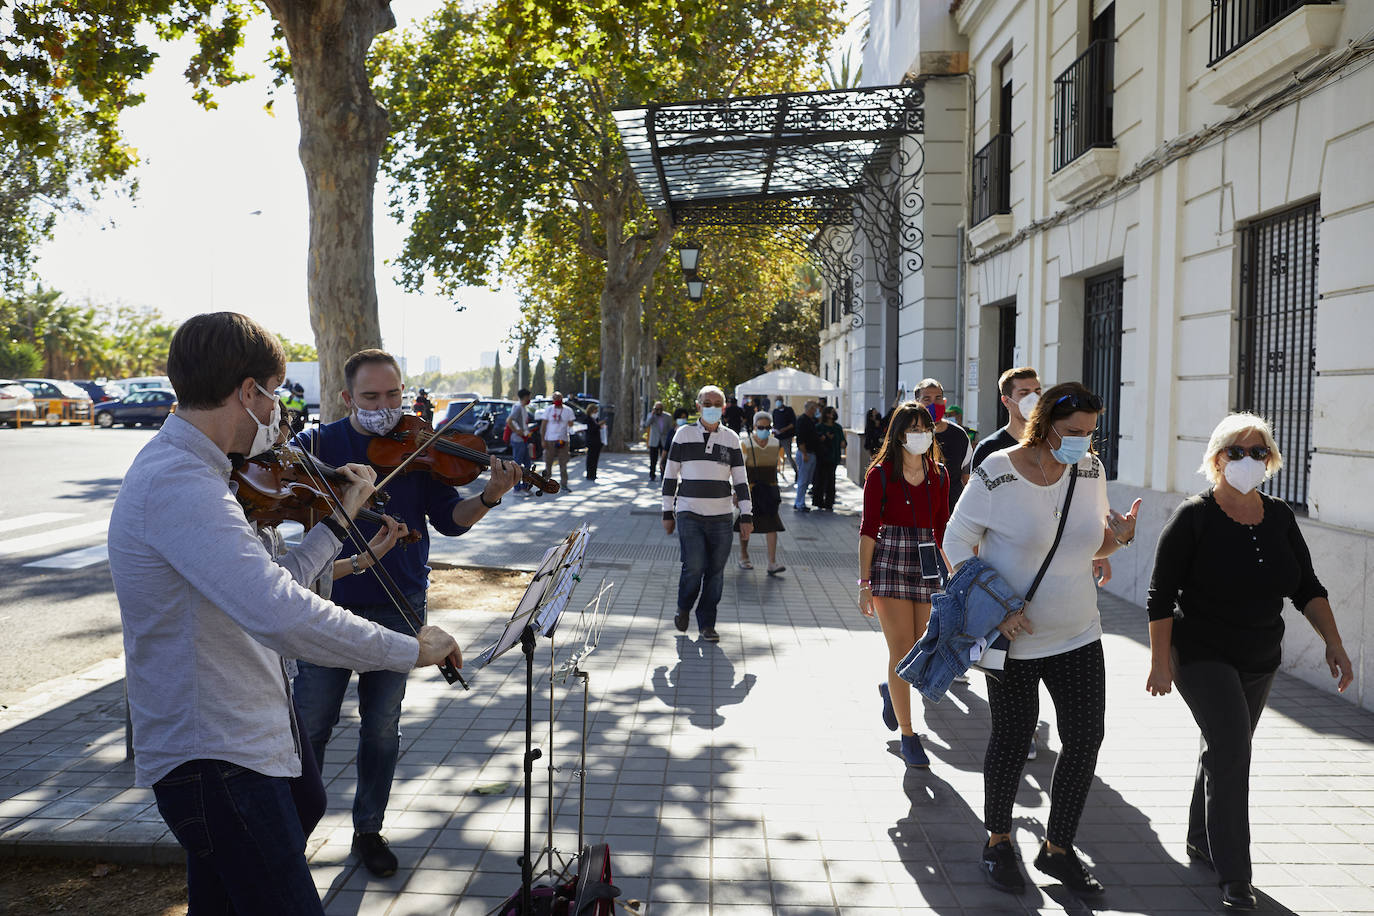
(57, 487)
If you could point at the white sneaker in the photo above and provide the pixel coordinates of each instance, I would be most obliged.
(961, 678)
(1032, 753)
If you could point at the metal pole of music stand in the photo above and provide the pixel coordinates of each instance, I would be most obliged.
(532, 754)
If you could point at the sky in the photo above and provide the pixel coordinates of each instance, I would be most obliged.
(220, 222)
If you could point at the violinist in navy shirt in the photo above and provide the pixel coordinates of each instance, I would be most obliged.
(373, 397)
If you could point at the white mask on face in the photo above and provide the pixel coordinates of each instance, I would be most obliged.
(1245, 474)
(918, 443)
(379, 422)
(1027, 404)
(266, 435)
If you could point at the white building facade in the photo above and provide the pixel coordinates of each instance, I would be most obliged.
(1171, 202)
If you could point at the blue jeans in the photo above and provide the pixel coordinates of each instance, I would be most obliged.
(245, 851)
(319, 697)
(520, 454)
(705, 541)
(806, 469)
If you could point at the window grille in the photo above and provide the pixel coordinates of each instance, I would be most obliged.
(1102, 359)
(992, 179)
(1234, 22)
(1083, 104)
(1277, 360)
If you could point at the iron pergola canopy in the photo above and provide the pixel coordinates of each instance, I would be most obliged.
(823, 170)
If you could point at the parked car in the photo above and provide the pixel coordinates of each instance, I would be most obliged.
(487, 419)
(145, 381)
(16, 403)
(100, 392)
(150, 405)
(577, 433)
(58, 401)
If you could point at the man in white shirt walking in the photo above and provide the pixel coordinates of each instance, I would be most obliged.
(556, 430)
(702, 482)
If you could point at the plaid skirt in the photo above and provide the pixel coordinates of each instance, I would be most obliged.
(896, 566)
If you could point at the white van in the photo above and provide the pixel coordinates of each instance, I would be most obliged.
(144, 381)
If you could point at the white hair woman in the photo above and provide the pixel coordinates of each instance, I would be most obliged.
(1226, 560)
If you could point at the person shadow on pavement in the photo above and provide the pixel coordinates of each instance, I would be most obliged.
(939, 839)
(701, 683)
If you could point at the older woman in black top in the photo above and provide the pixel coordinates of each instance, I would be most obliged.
(1225, 562)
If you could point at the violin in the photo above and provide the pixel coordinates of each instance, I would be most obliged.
(454, 458)
(282, 484)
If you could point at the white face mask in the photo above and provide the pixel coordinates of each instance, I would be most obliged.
(918, 443)
(1027, 404)
(1245, 474)
(266, 435)
(379, 422)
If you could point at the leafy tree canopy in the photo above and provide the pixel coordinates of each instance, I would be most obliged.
(69, 70)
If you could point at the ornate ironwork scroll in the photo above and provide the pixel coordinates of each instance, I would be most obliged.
(834, 175)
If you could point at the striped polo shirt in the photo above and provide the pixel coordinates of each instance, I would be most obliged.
(704, 468)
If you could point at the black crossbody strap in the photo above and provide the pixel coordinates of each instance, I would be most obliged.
(1063, 520)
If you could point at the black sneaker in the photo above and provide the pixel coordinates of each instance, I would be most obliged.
(710, 635)
(1002, 867)
(680, 620)
(372, 849)
(1069, 869)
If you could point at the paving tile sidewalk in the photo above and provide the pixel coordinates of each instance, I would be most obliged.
(752, 776)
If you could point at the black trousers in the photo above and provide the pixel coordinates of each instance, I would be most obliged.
(1077, 682)
(658, 457)
(593, 455)
(1226, 704)
(823, 488)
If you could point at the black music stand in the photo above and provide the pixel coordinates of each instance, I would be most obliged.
(539, 611)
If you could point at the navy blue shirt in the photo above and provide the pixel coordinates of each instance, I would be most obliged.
(415, 497)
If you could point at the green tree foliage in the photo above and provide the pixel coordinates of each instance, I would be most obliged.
(70, 69)
(540, 385)
(86, 341)
(298, 352)
(19, 359)
(505, 132)
(564, 379)
(496, 378)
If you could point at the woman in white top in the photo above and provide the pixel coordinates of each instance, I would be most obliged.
(1009, 515)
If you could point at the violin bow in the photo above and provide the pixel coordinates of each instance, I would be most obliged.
(393, 591)
(426, 444)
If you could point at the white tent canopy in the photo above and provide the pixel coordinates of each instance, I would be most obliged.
(788, 383)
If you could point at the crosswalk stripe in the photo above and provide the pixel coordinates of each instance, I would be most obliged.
(55, 536)
(75, 559)
(29, 521)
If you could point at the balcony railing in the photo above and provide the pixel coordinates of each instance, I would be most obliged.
(992, 178)
(1234, 22)
(1083, 104)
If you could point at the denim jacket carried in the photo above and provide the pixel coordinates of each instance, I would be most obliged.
(968, 611)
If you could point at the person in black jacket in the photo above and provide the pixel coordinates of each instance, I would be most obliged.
(1226, 560)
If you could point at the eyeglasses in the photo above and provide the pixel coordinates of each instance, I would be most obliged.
(1084, 402)
(1237, 452)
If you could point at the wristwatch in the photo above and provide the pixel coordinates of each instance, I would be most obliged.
(483, 497)
(353, 561)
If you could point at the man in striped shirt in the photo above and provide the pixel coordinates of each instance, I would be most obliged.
(703, 480)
